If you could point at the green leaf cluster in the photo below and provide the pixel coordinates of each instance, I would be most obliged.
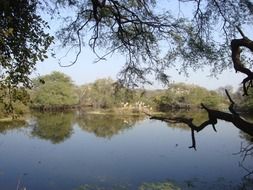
(53, 90)
(13, 101)
(104, 93)
(181, 95)
(23, 40)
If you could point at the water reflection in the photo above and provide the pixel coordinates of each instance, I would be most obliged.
(197, 115)
(10, 125)
(55, 127)
(106, 126)
(246, 154)
(159, 186)
(213, 117)
(246, 136)
(136, 154)
(192, 184)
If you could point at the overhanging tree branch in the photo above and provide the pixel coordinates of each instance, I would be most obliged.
(213, 116)
(236, 45)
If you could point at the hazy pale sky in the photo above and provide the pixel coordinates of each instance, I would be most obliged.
(85, 70)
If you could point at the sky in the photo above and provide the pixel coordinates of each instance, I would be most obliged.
(86, 71)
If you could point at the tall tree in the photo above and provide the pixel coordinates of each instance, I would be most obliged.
(23, 41)
(57, 89)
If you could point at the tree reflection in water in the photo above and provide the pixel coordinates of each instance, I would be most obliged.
(106, 126)
(246, 154)
(58, 127)
(213, 117)
(243, 123)
(55, 127)
(10, 125)
(197, 115)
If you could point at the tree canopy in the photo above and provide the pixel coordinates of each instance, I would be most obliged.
(105, 93)
(56, 89)
(152, 39)
(181, 95)
(23, 41)
(138, 30)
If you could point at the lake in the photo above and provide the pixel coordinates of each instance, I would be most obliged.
(73, 151)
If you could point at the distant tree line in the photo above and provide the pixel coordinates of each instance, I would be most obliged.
(186, 96)
(56, 91)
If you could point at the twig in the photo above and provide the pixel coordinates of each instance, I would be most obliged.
(231, 107)
(240, 31)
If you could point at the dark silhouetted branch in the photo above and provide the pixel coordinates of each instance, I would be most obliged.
(213, 116)
(236, 45)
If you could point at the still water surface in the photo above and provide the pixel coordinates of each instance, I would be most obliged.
(85, 152)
